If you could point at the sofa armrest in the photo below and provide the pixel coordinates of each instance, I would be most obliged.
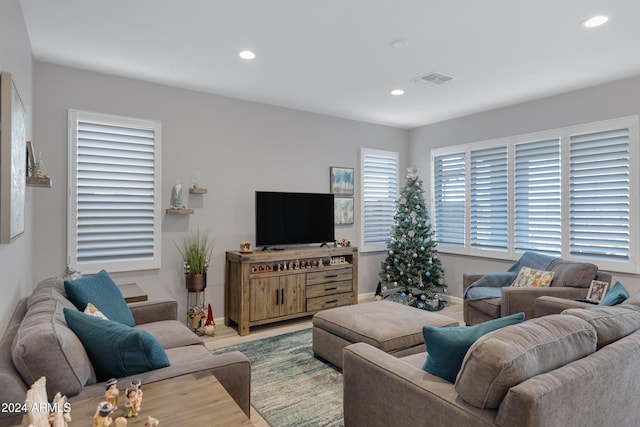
(515, 300)
(154, 311)
(234, 373)
(469, 278)
(547, 305)
(372, 379)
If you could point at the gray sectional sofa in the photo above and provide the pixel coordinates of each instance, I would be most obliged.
(579, 368)
(38, 343)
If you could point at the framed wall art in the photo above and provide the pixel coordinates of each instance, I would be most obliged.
(341, 180)
(343, 210)
(597, 291)
(13, 160)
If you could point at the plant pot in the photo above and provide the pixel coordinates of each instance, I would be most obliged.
(195, 282)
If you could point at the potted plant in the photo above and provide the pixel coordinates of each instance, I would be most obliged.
(196, 252)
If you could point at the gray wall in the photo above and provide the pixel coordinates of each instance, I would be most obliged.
(16, 258)
(602, 102)
(238, 147)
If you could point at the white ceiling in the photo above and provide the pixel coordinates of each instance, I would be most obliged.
(335, 57)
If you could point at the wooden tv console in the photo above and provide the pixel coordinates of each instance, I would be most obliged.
(270, 286)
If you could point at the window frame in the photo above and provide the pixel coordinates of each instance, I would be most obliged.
(75, 116)
(364, 152)
(564, 135)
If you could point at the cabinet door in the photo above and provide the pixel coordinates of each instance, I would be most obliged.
(265, 298)
(292, 288)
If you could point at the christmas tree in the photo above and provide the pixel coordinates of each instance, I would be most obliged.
(412, 259)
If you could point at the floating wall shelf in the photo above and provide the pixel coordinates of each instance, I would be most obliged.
(185, 211)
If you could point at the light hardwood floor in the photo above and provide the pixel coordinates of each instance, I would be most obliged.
(228, 336)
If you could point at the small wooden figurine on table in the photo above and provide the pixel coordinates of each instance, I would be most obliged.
(152, 422)
(112, 393)
(131, 396)
(102, 418)
(137, 384)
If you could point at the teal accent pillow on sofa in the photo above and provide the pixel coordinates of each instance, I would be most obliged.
(446, 347)
(616, 295)
(103, 293)
(116, 350)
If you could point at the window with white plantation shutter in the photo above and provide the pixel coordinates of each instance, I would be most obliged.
(600, 195)
(569, 192)
(537, 196)
(114, 203)
(449, 172)
(379, 192)
(488, 189)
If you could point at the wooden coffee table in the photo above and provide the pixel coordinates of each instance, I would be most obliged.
(194, 399)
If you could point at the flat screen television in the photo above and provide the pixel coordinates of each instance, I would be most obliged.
(293, 218)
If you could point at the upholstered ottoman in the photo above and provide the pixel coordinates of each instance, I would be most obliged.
(393, 328)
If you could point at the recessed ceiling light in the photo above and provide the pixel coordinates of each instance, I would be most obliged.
(247, 54)
(397, 92)
(595, 21)
(400, 43)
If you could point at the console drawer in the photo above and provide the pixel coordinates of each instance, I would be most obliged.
(329, 301)
(332, 288)
(329, 276)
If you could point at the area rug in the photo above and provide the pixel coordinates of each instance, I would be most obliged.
(290, 387)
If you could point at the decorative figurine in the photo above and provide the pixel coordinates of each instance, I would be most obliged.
(130, 404)
(120, 422)
(102, 418)
(176, 196)
(245, 247)
(152, 422)
(112, 393)
(137, 384)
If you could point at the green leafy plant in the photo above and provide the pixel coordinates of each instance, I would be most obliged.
(196, 251)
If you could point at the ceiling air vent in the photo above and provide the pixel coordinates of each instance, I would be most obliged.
(433, 79)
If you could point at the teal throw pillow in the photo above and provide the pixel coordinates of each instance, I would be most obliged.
(103, 293)
(616, 295)
(116, 350)
(446, 347)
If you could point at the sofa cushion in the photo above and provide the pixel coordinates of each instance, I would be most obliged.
(45, 346)
(171, 333)
(632, 302)
(490, 306)
(571, 273)
(116, 350)
(530, 277)
(102, 292)
(446, 347)
(616, 295)
(506, 357)
(610, 323)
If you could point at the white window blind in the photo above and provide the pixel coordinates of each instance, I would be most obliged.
(114, 210)
(537, 196)
(488, 187)
(379, 194)
(569, 192)
(449, 182)
(600, 195)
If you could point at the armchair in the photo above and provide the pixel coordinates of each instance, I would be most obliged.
(571, 281)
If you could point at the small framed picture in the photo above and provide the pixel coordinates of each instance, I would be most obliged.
(597, 291)
(343, 210)
(341, 180)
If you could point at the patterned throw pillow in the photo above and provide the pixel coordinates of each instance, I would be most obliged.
(93, 311)
(529, 277)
